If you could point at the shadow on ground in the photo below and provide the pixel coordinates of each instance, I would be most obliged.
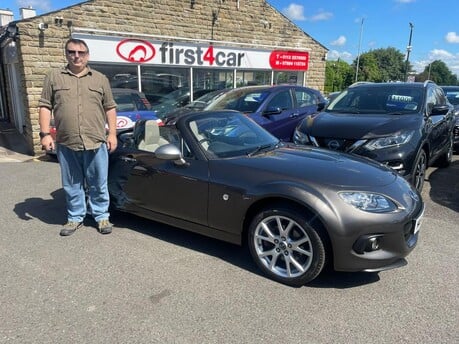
(444, 186)
(233, 254)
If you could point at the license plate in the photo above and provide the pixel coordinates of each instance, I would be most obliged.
(418, 222)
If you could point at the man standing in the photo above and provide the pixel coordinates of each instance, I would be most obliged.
(82, 104)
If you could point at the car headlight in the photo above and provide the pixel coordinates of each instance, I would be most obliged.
(300, 138)
(367, 201)
(389, 141)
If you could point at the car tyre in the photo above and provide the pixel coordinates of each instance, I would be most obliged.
(445, 159)
(286, 246)
(419, 171)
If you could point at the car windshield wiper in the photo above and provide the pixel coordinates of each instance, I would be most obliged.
(260, 148)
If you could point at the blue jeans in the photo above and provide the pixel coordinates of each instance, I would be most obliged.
(85, 172)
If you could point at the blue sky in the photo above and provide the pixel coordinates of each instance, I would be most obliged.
(337, 24)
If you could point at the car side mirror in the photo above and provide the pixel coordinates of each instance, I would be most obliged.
(439, 110)
(321, 106)
(170, 152)
(272, 111)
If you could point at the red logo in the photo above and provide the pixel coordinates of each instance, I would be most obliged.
(135, 50)
(289, 60)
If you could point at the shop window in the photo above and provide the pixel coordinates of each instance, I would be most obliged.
(293, 78)
(247, 78)
(212, 79)
(116, 74)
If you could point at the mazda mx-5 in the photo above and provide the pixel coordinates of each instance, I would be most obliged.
(297, 208)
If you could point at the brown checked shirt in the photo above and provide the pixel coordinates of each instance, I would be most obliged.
(78, 105)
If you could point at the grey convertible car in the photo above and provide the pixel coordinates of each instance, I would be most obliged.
(297, 208)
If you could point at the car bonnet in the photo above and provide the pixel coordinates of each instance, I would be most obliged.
(357, 126)
(319, 166)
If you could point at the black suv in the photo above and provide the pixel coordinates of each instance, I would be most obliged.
(406, 126)
(452, 93)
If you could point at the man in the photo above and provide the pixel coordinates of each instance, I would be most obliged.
(82, 104)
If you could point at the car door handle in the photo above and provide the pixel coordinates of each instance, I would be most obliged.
(295, 114)
(128, 159)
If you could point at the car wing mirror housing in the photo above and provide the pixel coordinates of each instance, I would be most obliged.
(170, 152)
(439, 110)
(272, 111)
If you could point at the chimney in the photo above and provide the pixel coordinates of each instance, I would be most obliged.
(28, 12)
(6, 16)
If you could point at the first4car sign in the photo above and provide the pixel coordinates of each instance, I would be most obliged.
(114, 49)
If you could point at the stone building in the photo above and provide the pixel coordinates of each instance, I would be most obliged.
(167, 43)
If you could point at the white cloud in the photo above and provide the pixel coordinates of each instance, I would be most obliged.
(321, 16)
(334, 55)
(340, 41)
(294, 12)
(452, 37)
(451, 61)
(440, 54)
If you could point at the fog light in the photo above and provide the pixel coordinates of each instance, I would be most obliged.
(367, 243)
(373, 244)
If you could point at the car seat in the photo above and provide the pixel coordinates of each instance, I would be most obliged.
(152, 138)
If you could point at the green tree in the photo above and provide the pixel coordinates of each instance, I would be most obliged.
(338, 75)
(391, 64)
(368, 68)
(438, 72)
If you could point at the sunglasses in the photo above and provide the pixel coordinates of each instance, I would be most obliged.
(79, 52)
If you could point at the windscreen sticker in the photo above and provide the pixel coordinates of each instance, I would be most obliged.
(400, 98)
(396, 101)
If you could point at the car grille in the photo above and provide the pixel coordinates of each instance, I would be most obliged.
(456, 131)
(335, 143)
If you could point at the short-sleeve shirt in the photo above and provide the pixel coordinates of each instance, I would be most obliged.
(79, 106)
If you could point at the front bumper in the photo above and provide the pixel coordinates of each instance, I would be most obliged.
(394, 243)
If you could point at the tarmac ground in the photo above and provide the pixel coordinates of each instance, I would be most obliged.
(13, 146)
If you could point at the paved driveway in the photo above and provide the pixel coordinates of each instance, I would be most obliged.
(150, 283)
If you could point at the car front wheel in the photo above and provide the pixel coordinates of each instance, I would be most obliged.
(447, 157)
(286, 246)
(419, 171)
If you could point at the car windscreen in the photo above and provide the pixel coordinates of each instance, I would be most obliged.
(229, 134)
(390, 99)
(246, 101)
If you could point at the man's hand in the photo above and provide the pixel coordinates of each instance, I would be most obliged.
(112, 142)
(47, 143)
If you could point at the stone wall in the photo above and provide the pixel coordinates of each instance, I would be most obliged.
(252, 22)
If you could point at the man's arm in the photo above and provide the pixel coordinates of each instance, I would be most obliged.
(44, 118)
(112, 141)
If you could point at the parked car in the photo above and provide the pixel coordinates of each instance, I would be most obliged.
(197, 105)
(131, 106)
(277, 108)
(332, 95)
(219, 174)
(452, 93)
(406, 126)
(176, 99)
(154, 87)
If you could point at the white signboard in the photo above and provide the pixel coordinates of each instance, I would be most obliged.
(167, 53)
